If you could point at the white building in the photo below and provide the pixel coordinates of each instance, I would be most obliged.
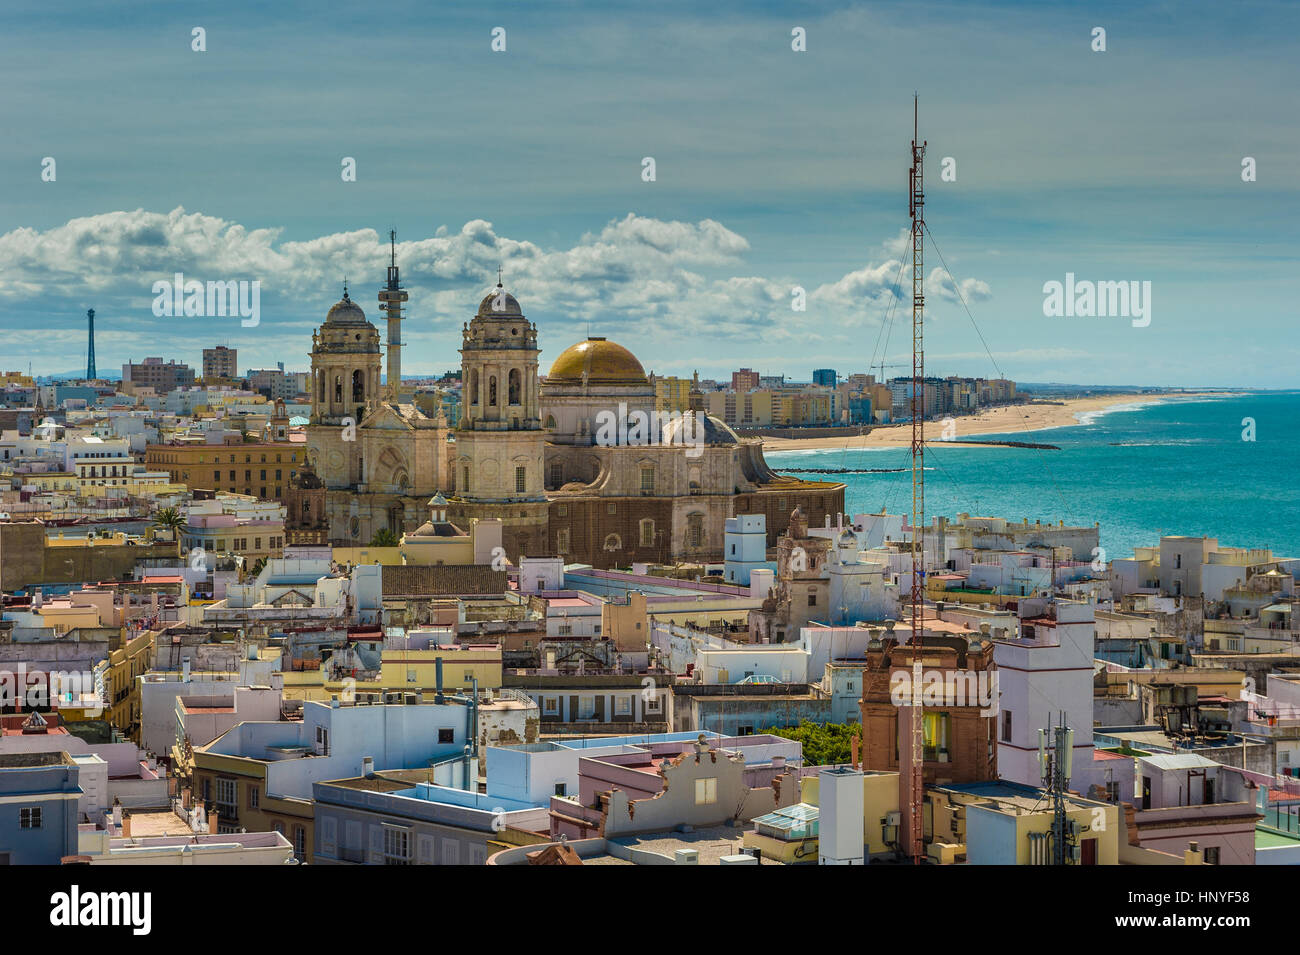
(1043, 672)
(745, 547)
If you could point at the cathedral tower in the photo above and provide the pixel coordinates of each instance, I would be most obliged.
(344, 365)
(344, 389)
(499, 441)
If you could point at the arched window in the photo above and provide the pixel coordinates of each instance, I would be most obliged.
(695, 530)
(473, 387)
(358, 385)
(514, 386)
(306, 508)
(320, 375)
(338, 389)
(492, 391)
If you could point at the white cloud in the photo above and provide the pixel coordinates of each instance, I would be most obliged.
(672, 282)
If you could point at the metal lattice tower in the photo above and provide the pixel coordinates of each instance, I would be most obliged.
(90, 352)
(916, 207)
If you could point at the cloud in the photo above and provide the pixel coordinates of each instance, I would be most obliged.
(662, 283)
(940, 283)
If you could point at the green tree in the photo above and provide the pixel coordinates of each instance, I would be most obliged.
(824, 744)
(168, 518)
(384, 538)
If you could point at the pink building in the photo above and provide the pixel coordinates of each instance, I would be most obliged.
(1185, 798)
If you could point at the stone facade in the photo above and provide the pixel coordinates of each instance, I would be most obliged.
(540, 456)
(379, 461)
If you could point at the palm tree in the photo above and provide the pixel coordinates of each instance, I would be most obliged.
(168, 519)
(384, 538)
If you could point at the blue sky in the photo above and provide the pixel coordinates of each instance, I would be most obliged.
(774, 169)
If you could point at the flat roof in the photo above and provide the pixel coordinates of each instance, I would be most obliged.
(34, 760)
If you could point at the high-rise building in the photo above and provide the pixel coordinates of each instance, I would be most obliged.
(825, 377)
(671, 393)
(159, 375)
(277, 383)
(744, 380)
(220, 362)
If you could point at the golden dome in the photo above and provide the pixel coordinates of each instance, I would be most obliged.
(602, 362)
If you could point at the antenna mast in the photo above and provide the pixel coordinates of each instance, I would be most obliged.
(916, 208)
(91, 374)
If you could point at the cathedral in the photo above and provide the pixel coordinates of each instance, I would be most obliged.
(527, 450)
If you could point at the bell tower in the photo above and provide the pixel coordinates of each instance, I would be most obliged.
(345, 388)
(498, 467)
(344, 365)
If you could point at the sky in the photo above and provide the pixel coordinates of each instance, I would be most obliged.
(774, 169)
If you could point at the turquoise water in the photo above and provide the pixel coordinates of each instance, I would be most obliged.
(1177, 466)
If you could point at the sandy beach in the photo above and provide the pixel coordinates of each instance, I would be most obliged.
(1010, 420)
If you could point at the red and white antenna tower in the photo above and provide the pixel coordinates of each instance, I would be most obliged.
(916, 207)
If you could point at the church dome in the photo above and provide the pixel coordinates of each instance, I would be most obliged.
(499, 302)
(345, 312)
(602, 362)
(716, 431)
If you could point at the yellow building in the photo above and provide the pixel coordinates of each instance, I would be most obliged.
(416, 670)
(672, 394)
(879, 800)
(1012, 823)
(246, 538)
(50, 481)
(434, 543)
(262, 470)
(235, 789)
(136, 484)
(121, 674)
(17, 379)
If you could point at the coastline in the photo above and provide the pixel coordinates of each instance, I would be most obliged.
(1013, 421)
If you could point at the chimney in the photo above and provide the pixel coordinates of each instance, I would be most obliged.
(368, 767)
(185, 670)
(853, 743)
(437, 671)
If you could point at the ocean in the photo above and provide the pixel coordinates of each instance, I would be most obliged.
(1165, 465)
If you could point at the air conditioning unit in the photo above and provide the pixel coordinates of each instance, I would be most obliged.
(894, 818)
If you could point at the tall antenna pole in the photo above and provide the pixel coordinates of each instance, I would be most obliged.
(90, 351)
(916, 207)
